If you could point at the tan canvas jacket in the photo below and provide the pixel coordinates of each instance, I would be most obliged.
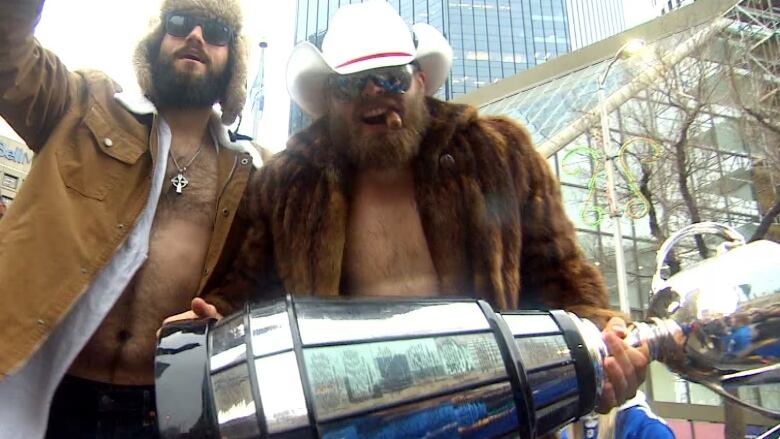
(89, 181)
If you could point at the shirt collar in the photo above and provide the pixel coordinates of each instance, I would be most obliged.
(135, 103)
(139, 104)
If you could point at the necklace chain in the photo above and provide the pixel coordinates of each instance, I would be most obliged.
(179, 181)
(183, 169)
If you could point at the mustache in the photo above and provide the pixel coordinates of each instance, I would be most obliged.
(371, 102)
(193, 50)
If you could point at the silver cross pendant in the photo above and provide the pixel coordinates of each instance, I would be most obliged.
(179, 182)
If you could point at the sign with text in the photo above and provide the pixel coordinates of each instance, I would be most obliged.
(16, 154)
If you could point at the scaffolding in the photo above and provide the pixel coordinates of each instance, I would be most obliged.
(753, 52)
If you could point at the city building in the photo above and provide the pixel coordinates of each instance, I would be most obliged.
(590, 21)
(491, 39)
(692, 128)
(15, 160)
(664, 6)
(661, 7)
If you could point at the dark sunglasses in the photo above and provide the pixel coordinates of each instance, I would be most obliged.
(214, 32)
(395, 79)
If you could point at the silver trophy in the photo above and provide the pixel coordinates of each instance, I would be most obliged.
(379, 368)
(453, 368)
(718, 322)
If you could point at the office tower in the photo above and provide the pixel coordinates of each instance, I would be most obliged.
(15, 160)
(591, 21)
(661, 7)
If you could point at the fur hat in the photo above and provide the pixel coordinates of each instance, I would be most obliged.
(228, 11)
(364, 36)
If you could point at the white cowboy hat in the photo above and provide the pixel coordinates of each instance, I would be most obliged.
(360, 37)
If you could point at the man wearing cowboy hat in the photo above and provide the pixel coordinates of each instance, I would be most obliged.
(122, 219)
(393, 192)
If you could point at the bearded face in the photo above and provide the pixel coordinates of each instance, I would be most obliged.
(360, 130)
(188, 76)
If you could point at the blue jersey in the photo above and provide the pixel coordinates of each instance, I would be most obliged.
(634, 420)
(638, 422)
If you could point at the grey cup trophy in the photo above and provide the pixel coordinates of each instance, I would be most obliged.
(718, 323)
(300, 367)
(303, 367)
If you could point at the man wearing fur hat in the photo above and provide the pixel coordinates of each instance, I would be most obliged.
(392, 192)
(123, 217)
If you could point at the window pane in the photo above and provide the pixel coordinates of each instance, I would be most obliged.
(10, 181)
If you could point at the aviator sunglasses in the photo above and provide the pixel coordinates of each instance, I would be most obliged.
(395, 79)
(215, 32)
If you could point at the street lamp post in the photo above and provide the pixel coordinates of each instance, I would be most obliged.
(257, 92)
(609, 157)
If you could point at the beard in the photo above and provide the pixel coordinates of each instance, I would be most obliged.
(392, 149)
(184, 90)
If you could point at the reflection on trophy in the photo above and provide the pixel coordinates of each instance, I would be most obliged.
(399, 368)
(718, 323)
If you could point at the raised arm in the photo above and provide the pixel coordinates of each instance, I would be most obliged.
(35, 87)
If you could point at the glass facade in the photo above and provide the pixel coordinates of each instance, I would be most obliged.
(491, 39)
(591, 21)
(688, 128)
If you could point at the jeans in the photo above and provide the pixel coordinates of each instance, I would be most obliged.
(89, 409)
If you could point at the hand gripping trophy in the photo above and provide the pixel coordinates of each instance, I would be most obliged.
(314, 368)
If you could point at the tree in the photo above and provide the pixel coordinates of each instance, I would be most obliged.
(715, 116)
(715, 143)
(751, 63)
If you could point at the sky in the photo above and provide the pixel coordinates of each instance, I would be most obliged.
(101, 34)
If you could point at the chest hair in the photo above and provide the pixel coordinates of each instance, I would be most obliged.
(197, 202)
(386, 250)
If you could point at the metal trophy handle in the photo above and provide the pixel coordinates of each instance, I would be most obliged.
(729, 233)
(718, 322)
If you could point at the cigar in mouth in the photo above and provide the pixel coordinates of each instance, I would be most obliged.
(394, 120)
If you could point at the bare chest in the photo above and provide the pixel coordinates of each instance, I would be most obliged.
(386, 251)
(122, 348)
(181, 235)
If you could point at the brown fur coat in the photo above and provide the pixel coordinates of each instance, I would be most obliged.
(490, 207)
